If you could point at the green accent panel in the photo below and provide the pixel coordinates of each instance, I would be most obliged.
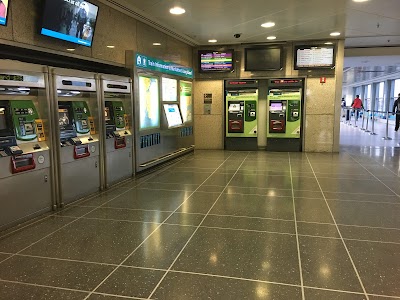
(81, 115)
(293, 123)
(250, 124)
(24, 115)
(118, 111)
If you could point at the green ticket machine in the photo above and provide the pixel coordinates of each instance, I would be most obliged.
(241, 105)
(285, 106)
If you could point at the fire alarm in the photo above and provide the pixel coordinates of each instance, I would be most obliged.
(322, 80)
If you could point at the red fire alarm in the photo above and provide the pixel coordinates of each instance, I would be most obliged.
(322, 80)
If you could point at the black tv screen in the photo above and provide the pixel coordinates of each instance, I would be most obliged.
(215, 61)
(70, 20)
(4, 4)
(263, 59)
(309, 57)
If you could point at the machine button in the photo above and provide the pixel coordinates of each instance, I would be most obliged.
(36, 147)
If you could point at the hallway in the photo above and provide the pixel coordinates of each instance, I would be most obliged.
(222, 225)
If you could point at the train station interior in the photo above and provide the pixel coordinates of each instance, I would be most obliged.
(199, 150)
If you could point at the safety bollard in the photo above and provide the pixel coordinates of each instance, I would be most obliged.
(373, 125)
(363, 121)
(387, 138)
(366, 126)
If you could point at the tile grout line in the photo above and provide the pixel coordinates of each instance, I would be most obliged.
(375, 176)
(340, 234)
(190, 238)
(297, 233)
(159, 226)
(82, 217)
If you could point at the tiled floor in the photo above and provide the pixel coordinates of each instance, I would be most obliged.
(222, 225)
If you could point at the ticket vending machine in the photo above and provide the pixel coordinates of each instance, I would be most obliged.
(25, 158)
(241, 98)
(285, 103)
(117, 106)
(78, 151)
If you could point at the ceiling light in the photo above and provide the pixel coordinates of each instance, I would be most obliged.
(71, 49)
(177, 10)
(335, 33)
(360, 0)
(212, 41)
(328, 43)
(271, 37)
(156, 44)
(268, 24)
(111, 46)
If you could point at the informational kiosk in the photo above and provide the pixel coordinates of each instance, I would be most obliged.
(163, 110)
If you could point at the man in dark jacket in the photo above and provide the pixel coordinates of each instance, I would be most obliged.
(81, 20)
(396, 110)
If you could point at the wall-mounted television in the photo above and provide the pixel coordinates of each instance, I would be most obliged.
(314, 57)
(4, 4)
(216, 61)
(149, 109)
(173, 115)
(263, 58)
(72, 21)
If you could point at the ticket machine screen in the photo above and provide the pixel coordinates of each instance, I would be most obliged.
(63, 118)
(3, 120)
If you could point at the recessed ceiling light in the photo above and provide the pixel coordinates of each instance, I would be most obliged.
(212, 41)
(271, 37)
(328, 43)
(156, 44)
(268, 24)
(177, 10)
(111, 46)
(335, 33)
(360, 0)
(71, 49)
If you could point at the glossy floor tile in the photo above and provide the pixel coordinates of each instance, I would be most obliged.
(221, 225)
(179, 286)
(243, 254)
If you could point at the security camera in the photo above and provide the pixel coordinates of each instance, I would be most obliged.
(237, 35)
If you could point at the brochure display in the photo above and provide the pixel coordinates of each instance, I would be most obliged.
(149, 103)
(186, 101)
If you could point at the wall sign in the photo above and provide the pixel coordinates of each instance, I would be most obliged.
(158, 65)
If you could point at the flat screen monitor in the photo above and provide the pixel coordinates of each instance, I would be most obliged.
(70, 20)
(309, 57)
(277, 106)
(169, 89)
(215, 61)
(63, 118)
(173, 115)
(149, 109)
(4, 4)
(263, 59)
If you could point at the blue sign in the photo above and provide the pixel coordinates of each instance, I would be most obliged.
(66, 37)
(3, 21)
(158, 65)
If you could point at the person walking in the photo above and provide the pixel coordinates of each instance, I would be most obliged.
(81, 20)
(357, 105)
(396, 110)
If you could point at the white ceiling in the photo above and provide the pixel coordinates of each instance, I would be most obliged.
(371, 23)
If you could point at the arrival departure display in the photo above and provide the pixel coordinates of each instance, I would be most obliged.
(215, 61)
(314, 57)
(3, 12)
(149, 103)
(70, 20)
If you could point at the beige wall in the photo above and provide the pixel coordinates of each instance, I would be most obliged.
(113, 28)
(321, 107)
